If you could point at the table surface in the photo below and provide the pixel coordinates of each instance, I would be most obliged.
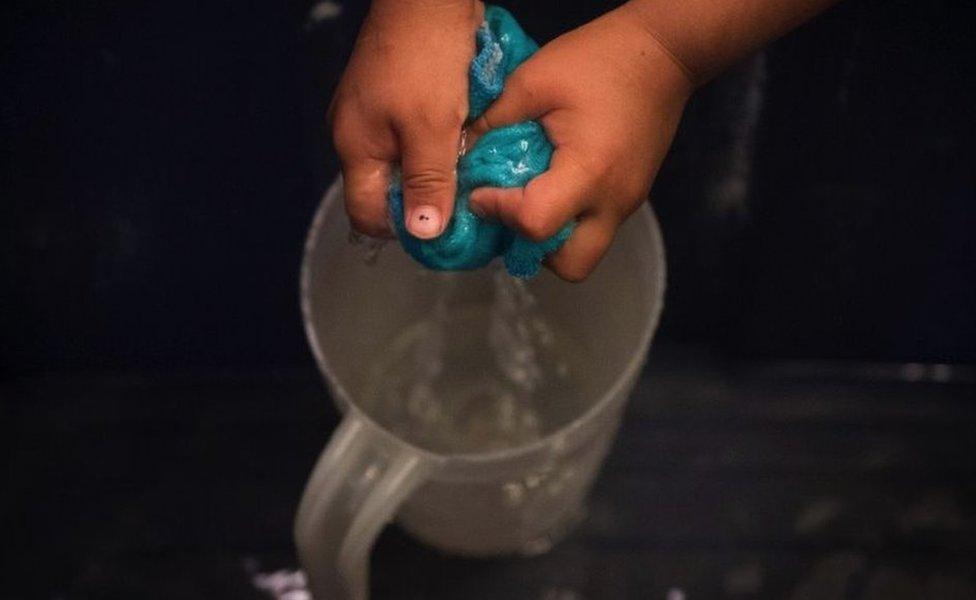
(774, 480)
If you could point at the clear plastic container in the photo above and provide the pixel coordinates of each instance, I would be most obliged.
(519, 498)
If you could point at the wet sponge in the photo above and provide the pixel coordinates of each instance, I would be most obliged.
(504, 157)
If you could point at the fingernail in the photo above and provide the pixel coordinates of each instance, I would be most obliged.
(425, 222)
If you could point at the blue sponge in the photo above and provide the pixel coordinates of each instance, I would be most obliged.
(504, 157)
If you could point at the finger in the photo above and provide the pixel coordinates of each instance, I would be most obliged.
(520, 101)
(499, 204)
(428, 161)
(366, 168)
(584, 249)
(365, 182)
(545, 205)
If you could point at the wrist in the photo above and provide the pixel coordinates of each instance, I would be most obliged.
(706, 36)
(438, 27)
(664, 70)
(646, 14)
(427, 10)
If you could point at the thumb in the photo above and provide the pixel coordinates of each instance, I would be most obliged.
(429, 180)
(545, 205)
(520, 101)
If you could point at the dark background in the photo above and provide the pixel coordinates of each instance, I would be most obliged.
(160, 162)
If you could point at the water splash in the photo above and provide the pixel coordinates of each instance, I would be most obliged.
(476, 377)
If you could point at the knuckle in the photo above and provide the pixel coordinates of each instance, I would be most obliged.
(573, 273)
(369, 226)
(357, 215)
(344, 131)
(427, 181)
(534, 225)
(436, 115)
(365, 219)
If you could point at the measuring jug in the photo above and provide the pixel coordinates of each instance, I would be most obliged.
(470, 467)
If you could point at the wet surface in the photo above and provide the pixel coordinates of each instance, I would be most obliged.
(776, 480)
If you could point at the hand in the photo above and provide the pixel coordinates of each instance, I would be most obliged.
(610, 98)
(404, 98)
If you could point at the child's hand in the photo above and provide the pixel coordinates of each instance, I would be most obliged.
(610, 98)
(404, 98)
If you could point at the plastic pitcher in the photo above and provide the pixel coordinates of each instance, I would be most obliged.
(505, 481)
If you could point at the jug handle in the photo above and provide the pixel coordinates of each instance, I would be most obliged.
(355, 489)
